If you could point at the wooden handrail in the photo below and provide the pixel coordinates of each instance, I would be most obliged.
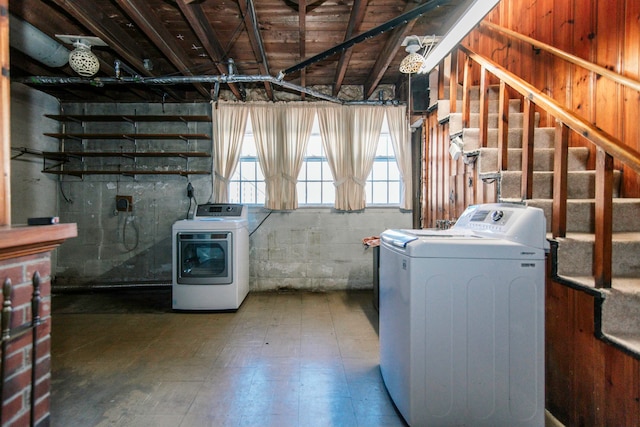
(589, 66)
(600, 138)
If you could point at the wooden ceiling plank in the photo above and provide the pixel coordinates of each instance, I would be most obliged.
(205, 33)
(149, 23)
(302, 30)
(355, 19)
(387, 53)
(255, 39)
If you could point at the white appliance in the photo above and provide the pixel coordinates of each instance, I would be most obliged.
(462, 319)
(211, 258)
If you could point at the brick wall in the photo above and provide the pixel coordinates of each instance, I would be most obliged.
(17, 360)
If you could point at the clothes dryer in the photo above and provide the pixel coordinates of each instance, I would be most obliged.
(211, 258)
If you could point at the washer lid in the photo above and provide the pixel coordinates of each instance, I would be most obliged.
(451, 244)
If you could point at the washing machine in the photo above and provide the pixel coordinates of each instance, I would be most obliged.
(462, 319)
(211, 258)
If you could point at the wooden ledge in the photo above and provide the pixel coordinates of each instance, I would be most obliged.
(22, 240)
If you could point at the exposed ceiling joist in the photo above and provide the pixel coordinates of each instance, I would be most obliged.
(253, 32)
(205, 33)
(388, 52)
(302, 32)
(355, 19)
(150, 24)
(389, 25)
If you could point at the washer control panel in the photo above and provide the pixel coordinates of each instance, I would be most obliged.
(508, 221)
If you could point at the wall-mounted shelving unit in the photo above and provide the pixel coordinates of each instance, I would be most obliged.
(74, 162)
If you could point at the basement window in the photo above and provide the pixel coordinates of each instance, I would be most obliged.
(315, 181)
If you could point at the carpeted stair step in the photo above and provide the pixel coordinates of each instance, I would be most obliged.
(543, 138)
(515, 121)
(444, 107)
(581, 184)
(581, 214)
(542, 159)
(575, 254)
(621, 313)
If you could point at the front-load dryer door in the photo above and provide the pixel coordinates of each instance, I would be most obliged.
(205, 258)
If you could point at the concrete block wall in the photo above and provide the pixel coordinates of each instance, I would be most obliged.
(317, 248)
(34, 194)
(310, 248)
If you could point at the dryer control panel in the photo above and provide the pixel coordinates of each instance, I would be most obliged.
(209, 210)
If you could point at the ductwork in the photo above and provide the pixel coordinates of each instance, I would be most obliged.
(32, 42)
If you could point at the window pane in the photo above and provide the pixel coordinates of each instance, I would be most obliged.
(394, 173)
(261, 191)
(247, 171)
(314, 192)
(301, 189)
(394, 192)
(314, 171)
(379, 192)
(328, 192)
(326, 171)
(379, 170)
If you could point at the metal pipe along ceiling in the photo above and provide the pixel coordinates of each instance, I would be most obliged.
(172, 80)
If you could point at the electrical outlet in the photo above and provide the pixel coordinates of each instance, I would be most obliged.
(124, 203)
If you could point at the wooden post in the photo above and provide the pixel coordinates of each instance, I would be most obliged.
(5, 117)
(466, 92)
(453, 82)
(528, 133)
(503, 128)
(484, 106)
(560, 177)
(603, 247)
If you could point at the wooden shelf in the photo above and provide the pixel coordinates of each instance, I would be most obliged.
(127, 118)
(81, 173)
(81, 168)
(129, 136)
(64, 156)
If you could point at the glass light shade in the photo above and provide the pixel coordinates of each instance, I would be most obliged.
(83, 61)
(412, 63)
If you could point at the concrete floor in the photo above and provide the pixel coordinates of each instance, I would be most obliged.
(283, 359)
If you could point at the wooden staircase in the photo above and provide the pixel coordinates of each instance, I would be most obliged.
(621, 309)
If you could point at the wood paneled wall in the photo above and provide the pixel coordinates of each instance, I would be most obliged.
(601, 31)
(588, 382)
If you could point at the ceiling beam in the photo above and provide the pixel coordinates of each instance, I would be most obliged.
(149, 23)
(255, 39)
(203, 30)
(400, 20)
(302, 31)
(355, 19)
(388, 52)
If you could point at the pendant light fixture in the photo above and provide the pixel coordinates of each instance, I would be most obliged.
(82, 60)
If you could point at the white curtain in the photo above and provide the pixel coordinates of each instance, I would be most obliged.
(229, 122)
(265, 120)
(335, 133)
(401, 141)
(297, 121)
(281, 132)
(365, 134)
(350, 136)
